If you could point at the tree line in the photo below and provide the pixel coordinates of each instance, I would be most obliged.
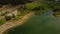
(13, 2)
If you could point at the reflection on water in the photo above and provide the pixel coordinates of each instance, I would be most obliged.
(43, 24)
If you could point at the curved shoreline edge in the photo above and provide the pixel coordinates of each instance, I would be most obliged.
(4, 27)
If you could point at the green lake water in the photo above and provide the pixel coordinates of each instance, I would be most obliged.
(44, 24)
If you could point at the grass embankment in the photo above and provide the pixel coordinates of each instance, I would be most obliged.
(20, 13)
(29, 7)
(46, 5)
(52, 5)
(37, 7)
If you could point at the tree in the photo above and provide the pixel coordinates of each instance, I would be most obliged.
(8, 18)
(13, 2)
(13, 15)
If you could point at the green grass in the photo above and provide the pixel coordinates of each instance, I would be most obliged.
(33, 5)
(2, 21)
(47, 5)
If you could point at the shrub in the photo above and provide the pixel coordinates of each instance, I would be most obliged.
(8, 18)
(2, 14)
(36, 8)
(13, 15)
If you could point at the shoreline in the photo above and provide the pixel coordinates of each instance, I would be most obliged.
(4, 27)
(57, 16)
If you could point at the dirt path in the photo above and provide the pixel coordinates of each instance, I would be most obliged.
(9, 25)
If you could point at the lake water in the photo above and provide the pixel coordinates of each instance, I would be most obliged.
(43, 24)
